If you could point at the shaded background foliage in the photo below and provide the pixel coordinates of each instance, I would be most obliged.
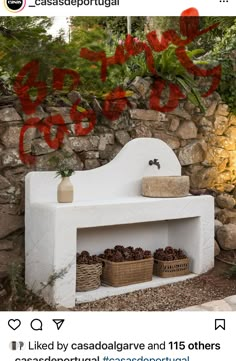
(26, 38)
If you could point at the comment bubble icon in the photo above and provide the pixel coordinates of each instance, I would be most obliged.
(36, 324)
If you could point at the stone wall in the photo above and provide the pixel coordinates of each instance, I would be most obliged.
(204, 143)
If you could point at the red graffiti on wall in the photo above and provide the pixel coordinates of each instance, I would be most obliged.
(116, 101)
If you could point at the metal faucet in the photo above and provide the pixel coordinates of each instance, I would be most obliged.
(155, 162)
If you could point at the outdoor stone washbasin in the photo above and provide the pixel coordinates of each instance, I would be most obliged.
(165, 186)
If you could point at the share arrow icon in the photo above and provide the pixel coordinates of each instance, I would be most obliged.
(58, 322)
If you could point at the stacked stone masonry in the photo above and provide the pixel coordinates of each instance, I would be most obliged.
(204, 143)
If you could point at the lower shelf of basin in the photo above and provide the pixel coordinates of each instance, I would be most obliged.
(107, 291)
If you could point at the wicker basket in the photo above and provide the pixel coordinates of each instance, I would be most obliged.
(118, 274)
(88, 276)
(175, 268)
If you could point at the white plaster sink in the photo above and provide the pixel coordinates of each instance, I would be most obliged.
(165, 186)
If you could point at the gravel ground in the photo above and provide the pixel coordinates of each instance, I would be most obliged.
(208, 287)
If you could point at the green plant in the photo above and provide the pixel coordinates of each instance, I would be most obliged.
(224, 53)
(170, 69)
(232, 272)
(61, 163)
(64, 172)
(17, 285)
(19, 297)
(53, 277)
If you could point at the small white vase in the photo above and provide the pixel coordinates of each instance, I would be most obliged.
(65, 191)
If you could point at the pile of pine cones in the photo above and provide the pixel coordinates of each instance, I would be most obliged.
(169, 254)
(85, 258)
(123, 254)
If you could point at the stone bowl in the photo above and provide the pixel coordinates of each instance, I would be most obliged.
(165, 186)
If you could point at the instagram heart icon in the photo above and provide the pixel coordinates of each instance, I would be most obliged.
(14, 324)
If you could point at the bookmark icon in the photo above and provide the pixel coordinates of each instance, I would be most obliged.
(220, 324)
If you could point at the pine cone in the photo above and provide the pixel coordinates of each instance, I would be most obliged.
(138, 255)
(118, 257)
(147, 254)
(159, 254)
(119, 248)
(85, 258)
(139, 249)
(126, 255)
(108, 251)
(169, 250)
(170, 257)
(85, 253)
